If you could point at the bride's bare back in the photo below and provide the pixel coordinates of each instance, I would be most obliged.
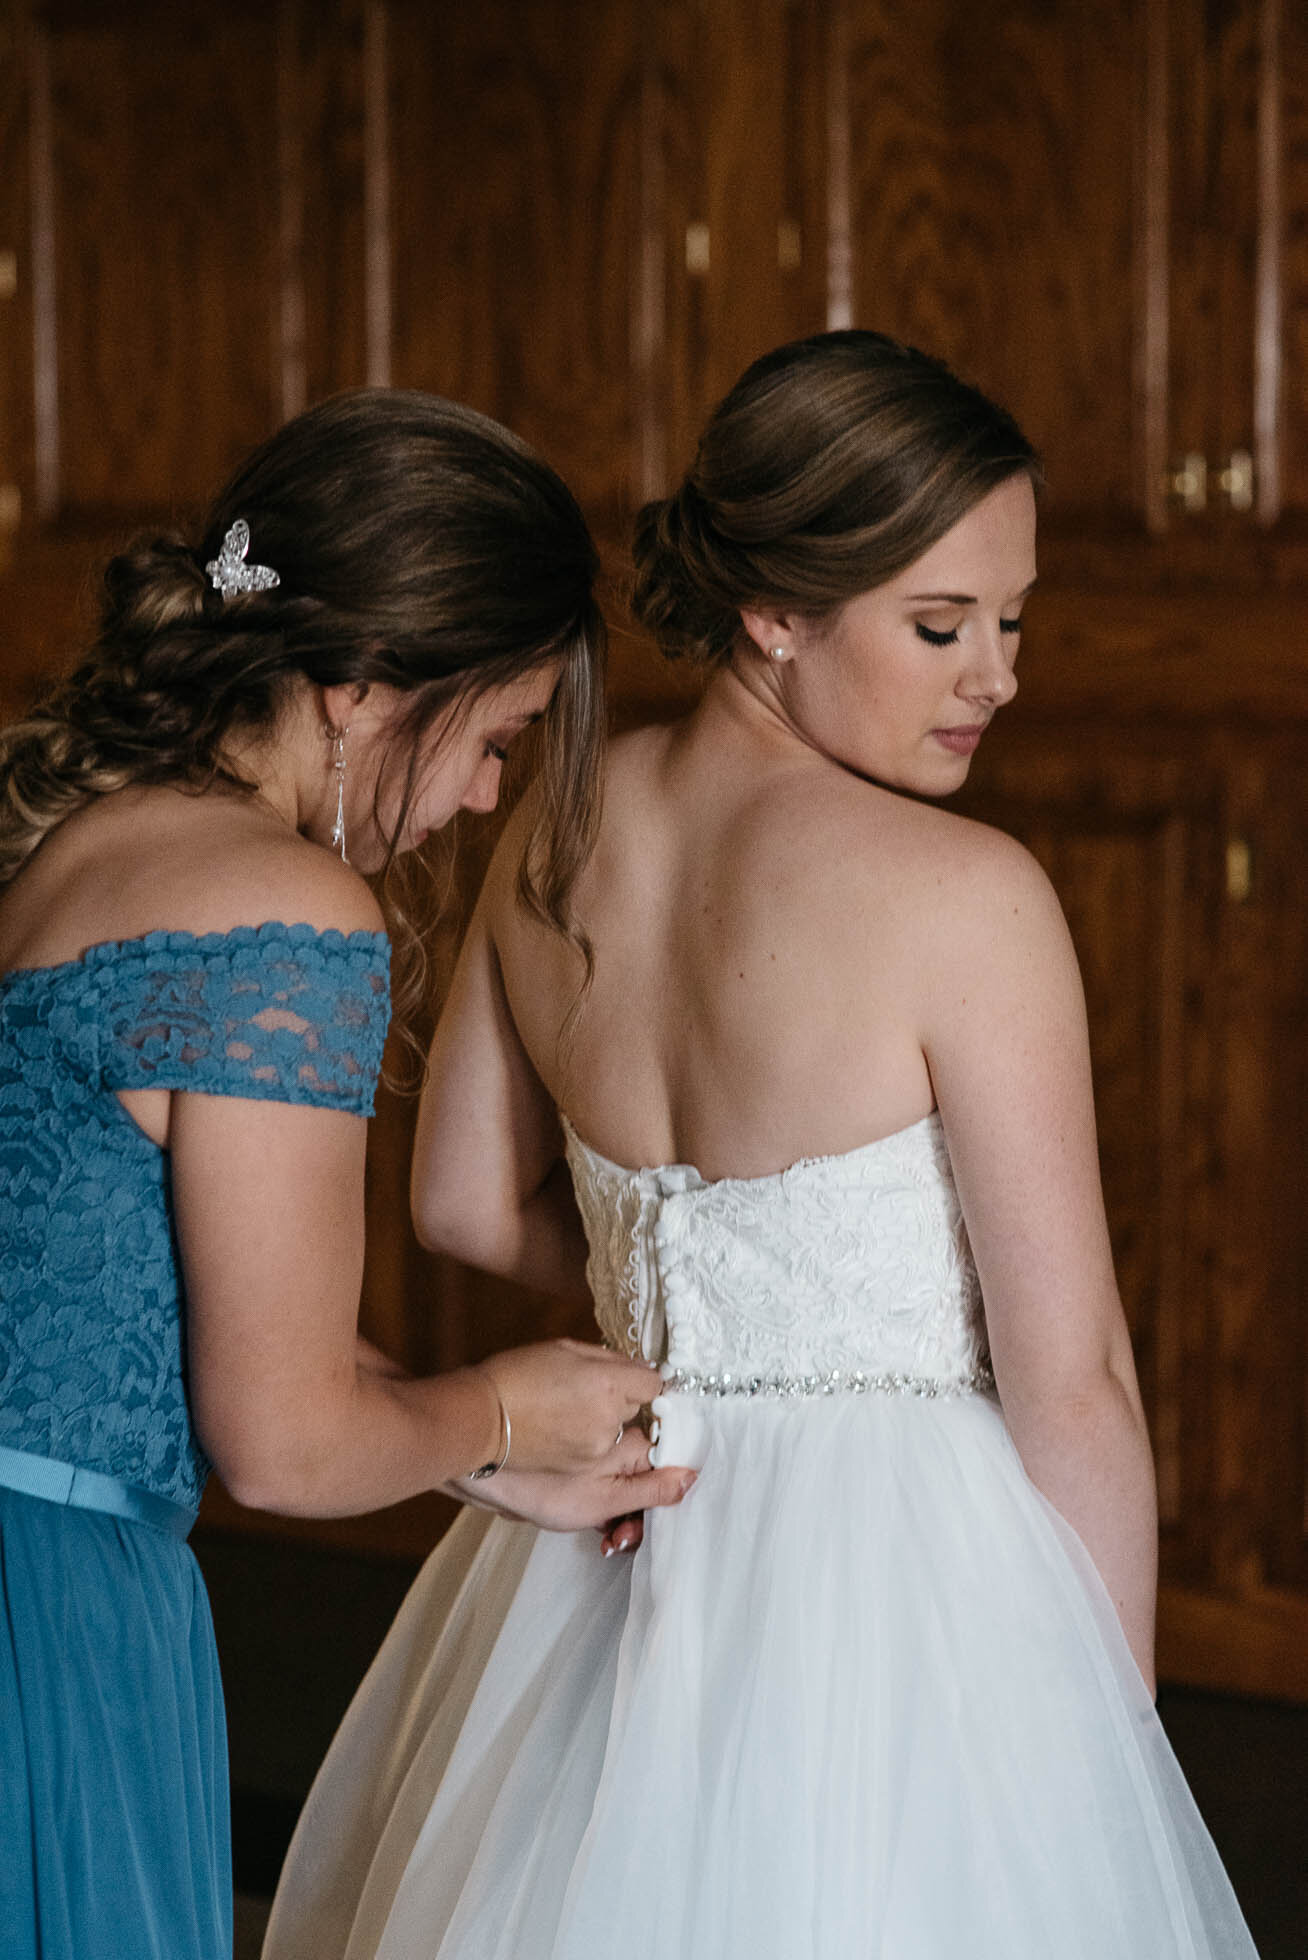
(758, 946)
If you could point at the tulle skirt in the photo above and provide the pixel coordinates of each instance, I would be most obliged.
(114, 1833)
(862, 1694)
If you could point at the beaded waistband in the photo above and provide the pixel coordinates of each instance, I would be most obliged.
(977, 1381)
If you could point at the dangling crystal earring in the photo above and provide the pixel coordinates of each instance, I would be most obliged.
(336, 736)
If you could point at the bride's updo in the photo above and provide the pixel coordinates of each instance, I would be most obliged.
(833, 463)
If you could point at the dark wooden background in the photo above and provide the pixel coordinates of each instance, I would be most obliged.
(585, 216)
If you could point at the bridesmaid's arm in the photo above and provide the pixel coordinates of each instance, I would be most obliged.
(373, 1362)
(489, 1183)
(1007, 1046)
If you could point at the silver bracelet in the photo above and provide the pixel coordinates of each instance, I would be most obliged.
(490, 1469)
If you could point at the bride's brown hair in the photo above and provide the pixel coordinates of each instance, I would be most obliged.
(832, 464)
(419, 545)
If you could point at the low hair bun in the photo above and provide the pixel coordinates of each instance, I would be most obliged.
(675, 595)
(153, 586)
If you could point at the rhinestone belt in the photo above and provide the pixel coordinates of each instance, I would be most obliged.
(977, 1381)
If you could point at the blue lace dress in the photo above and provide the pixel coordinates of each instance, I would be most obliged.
(114, 1836)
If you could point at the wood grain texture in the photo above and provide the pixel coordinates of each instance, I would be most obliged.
(1254, 1644)
(166, 230)
(1293, 310)
(1153, 268)
(517, 213)
(995, 190)
(1216, 66)
(1260, 1355)
(327, 53)
(17, 433)
(1268, 321)
(744, 135)
(43, 274)
(1133, 848)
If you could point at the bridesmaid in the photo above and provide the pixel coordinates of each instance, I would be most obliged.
(193, 1001)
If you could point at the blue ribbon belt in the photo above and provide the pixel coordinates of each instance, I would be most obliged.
(90, 1490)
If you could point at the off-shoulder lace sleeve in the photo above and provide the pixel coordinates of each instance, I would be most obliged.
(280, 1013)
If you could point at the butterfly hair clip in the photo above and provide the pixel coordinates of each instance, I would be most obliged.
(229, 571)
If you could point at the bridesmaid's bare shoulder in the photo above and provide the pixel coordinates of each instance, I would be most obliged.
(154, 858)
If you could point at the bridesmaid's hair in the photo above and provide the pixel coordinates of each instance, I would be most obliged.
(833, 463)
(417, 544)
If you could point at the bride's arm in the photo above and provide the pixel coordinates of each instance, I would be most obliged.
(1007, 1046)
(489, 1183)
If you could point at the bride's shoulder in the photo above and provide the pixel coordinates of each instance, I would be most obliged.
(948, 880)
(980, 901)
(959, 849)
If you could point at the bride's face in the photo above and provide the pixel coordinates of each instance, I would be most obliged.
(901, 684)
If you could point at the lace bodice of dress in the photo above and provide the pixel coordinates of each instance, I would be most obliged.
(838, 1267)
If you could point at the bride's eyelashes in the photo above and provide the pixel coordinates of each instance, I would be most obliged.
(494, 749)
(934, 638)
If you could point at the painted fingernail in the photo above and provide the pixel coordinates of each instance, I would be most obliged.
(609, 1550)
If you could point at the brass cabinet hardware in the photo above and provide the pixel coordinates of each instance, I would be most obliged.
(1187, 482)
(1236, 481)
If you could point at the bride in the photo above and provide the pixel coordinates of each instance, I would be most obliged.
(881, 1685)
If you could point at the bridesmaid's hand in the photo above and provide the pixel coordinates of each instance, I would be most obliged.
(623, 1534)
(567, 1402)
(597, 1498)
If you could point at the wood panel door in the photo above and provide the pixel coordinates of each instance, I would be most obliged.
(1232, 86)
(181, 198)
(995, 214)
(738, 192)
(1173, 851)
(514, 156)
(1098, 212)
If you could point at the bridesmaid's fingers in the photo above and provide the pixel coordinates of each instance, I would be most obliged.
(623, 1535)
(650, 1489)
(631, 1456)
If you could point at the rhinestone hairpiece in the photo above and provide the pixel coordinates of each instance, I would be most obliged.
(229, 571)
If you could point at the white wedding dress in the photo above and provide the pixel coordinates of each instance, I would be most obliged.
(862, 1694)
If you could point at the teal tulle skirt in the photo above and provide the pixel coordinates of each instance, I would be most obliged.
(115, 1840)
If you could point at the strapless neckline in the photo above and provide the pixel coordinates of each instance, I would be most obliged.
(931, 1122)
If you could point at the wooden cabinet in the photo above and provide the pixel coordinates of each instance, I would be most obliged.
(586, 216)
(1176, 852)
(996, 209)
(1098, 211)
